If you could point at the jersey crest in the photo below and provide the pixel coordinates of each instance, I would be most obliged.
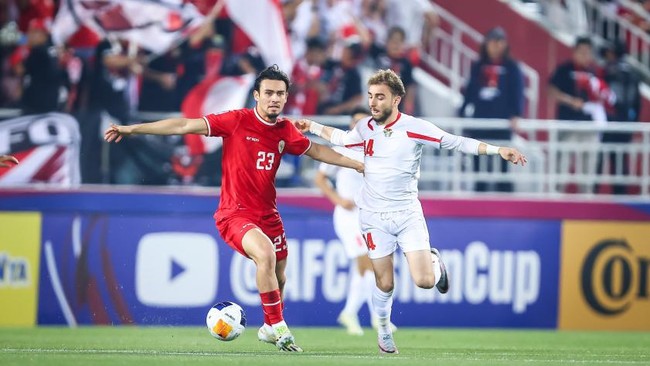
(388, 132)
(281, 146)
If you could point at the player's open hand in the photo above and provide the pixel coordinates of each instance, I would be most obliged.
(512, 155)
(302, 125)
(7, 160)
(116, 133)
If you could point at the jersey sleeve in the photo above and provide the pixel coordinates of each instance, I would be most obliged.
(297, 143)
(223, 124)
(426, 133)
(429, 134)
(351, 139)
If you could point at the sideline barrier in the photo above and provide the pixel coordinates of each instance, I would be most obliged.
(156, 258)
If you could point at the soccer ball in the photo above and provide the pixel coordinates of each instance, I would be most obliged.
(226, 321)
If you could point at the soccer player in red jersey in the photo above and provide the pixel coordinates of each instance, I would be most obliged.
(247, 218)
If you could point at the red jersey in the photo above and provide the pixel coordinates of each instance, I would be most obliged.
(252, 149)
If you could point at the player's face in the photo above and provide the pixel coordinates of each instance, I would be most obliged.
(271, 98)
(382, 102)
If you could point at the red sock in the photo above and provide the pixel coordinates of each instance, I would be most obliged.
(272, 306)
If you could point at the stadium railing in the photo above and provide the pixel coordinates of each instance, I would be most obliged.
(452, 50)
(581, 165)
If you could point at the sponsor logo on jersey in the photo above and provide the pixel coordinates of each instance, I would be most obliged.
(251, 138)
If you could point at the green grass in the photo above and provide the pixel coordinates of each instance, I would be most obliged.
(143, 346)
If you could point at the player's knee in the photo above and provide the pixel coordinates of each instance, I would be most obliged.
(264, 260)
(425, 282)
(385, 285)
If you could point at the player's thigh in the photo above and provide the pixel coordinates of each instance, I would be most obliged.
(346, 226)
(412, 232)
(377, 235)
(273, 227)
(258, 246)
(421, 268)
(233, 228)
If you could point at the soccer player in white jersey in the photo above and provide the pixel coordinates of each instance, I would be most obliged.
(346, 226)
(390, 213)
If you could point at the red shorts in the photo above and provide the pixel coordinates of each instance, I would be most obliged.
(234, 225)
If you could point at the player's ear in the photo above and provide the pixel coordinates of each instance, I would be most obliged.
(256, 95)
(397, 100)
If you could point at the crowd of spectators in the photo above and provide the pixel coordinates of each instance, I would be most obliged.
(333, 41)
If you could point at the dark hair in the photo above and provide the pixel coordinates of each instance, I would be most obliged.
(315, 43)
(396, 30)
(617, 47)
(494, 34)
(272, 72)
(359, 110)
(583, 41)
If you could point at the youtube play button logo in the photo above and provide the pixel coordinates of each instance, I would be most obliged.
(176, 269)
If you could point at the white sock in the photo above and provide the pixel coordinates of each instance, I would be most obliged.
(382, 303)
(437, 271)
(356, 295)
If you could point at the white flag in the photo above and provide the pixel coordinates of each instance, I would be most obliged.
(263, 23)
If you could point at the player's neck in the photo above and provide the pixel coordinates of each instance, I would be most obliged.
(264, 116)
(390, 119)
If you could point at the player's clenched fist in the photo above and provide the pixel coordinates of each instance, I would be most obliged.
(302, 125)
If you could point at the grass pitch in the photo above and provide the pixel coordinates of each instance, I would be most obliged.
(143, 346)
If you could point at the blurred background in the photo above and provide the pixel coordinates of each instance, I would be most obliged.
(92, 233)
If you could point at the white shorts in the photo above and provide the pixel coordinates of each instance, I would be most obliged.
(346, 226)
(384, 231)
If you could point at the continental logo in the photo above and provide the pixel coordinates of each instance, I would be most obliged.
(613, 277)
(605, 275)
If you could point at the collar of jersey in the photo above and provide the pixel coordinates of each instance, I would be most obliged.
(399, 114)
(259, 118)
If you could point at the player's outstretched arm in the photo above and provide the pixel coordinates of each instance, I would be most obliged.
(331, 134)
(507, 153)
(5, 160)
(325, 154)
(171, 126)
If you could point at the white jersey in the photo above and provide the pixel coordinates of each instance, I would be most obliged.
(392, 154)
(348, 181)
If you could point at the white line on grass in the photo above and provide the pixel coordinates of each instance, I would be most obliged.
(179, 353)
(611, 359)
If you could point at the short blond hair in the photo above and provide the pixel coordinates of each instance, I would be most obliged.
(389, 78)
